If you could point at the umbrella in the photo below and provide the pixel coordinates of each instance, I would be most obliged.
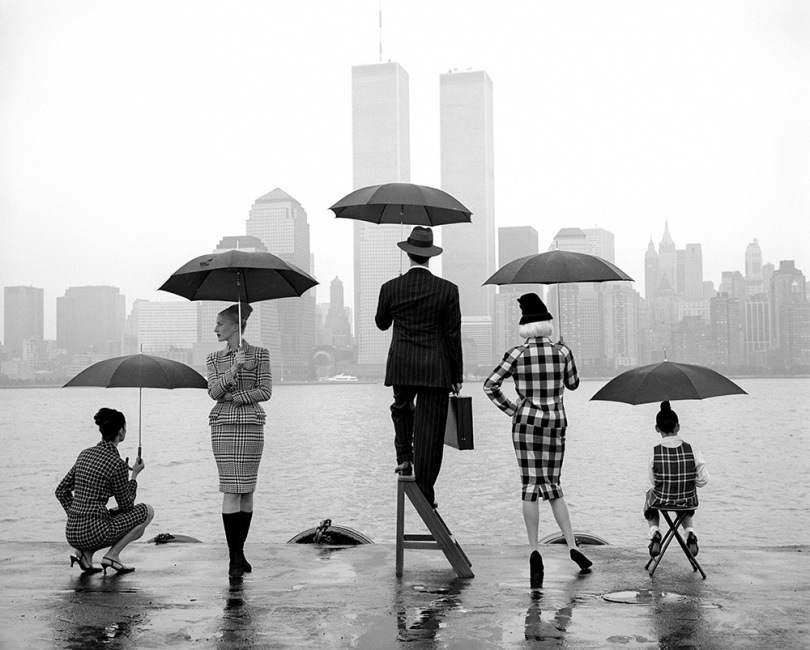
(240, 276)
(664, 381)
(139, 371)
(557, 267)
(402, 203)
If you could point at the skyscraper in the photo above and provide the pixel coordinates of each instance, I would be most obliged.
(693, 272)
(467, 169)
(380, 154)
(337, 320)
(753, 261)
(91, 320)
(280, 223)
(24, 317)
(790, 315)
(668, 260)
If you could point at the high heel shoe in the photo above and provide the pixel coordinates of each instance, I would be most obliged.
(84, 565)
(535, 570)
(107, 563)
(580, 559)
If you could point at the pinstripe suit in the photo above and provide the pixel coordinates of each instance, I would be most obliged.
(423, 362)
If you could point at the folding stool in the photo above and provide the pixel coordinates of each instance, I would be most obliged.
(671, 533)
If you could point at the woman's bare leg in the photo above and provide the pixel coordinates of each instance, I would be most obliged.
(560, 510)
(136, 533)
(531, 517)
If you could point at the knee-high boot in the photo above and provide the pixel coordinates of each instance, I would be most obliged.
(244, 529)
(232, 521)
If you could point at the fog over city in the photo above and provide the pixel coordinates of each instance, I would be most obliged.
(134, 136)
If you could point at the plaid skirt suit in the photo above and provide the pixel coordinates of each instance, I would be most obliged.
(542, 370)
(99, 473)
(237, 427)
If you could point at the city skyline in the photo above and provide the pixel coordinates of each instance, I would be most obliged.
(113, 185)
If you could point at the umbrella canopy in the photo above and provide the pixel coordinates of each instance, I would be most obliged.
(402, 203)
(238, 276)
(664, 381)
(557, 267)
(139, 371)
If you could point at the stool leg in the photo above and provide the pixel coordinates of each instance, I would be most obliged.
(400, 527)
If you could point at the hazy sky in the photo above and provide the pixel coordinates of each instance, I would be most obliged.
(134, 135)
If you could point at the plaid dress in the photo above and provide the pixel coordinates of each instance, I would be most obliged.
(541, 370)
(99, 473)
(674, 471)
(237, 427)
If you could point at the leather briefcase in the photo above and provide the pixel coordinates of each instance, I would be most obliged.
(459, 430)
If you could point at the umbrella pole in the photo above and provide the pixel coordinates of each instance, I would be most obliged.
(140, 401)
(239, 305)
(559, 314)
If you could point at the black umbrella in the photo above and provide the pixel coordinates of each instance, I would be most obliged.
(402, 203)
(240, 276)
(139, 371)
(666, 381)
(557, 267)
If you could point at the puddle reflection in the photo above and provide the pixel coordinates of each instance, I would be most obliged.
(550, 632)
(238, 628)
(421, 622)
(93, 612)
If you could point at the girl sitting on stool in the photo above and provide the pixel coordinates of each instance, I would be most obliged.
(676, 469)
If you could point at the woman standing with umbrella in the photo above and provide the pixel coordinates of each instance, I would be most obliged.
(238, 379)
(542, 370)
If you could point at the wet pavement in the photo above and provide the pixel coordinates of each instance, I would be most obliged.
(308, 597)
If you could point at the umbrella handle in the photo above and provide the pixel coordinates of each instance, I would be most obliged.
(139, 452)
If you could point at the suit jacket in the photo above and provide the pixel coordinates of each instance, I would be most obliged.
(253, 383)
(426, 344)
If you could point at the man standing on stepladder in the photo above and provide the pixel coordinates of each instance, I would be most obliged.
(424, 361)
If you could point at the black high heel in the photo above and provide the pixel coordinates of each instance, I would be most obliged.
(535, 570)
(84, 565)
(580, 559)
(107, 563)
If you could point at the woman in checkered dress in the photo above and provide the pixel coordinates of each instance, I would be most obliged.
(541, 370)
(676, 470)
(98, 474)
(238, 379)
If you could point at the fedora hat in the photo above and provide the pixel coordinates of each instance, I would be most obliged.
(532, 309)
(420, 242)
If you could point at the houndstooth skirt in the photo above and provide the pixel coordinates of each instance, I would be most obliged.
(539, 454)
(238, 452)
(92, 533)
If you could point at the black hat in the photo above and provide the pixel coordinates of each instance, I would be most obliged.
(420, 242)
(532, 309)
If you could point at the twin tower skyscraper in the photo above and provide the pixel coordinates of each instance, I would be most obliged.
(381, 154)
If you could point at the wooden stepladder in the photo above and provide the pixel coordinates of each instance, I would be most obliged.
(440, 536)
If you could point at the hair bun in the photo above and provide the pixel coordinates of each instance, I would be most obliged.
(665, 406)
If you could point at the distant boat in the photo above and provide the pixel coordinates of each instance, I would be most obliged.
(339, 379)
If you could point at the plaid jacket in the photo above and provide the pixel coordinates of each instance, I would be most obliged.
(99, 473)
(253, 383)
(542, 370)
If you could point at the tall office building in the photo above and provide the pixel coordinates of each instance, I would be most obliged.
(651, 271)
(513, 243)
(757, 329)
(668, 260)
(280, 223)
(693, 272)
(467, 173)
(753, 261)
(790, 314)
(91, 320)
(381, 153)
(337, 325)
(726, 331)
(24, 318)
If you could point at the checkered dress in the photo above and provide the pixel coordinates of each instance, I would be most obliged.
(541, 370)
(237, 426)
(674, 471)
(99, 473)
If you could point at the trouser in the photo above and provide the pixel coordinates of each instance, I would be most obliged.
(419, 414)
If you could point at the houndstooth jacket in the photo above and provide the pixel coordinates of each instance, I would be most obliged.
(542, 370)
(251, 384)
